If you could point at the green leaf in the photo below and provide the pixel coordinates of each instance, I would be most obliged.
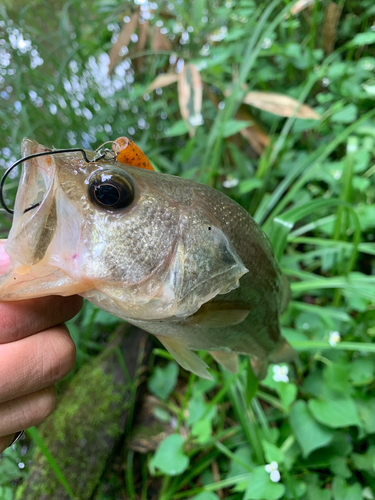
(341, 491)
(287, 393)
(163, 380)
(335, 412)
(260, 486)
(170, 458)
(232, 127)
(249, 185)
(310, 434)
(340, 467)
(198, 407)
(178, 128)
(336, 377)
(272, 453)
(347, 114)
(202, 430)
(361, 371)
(245, 460)
(9, 470)
(366, 411)
(365, 461)
(6, 493)
(361, 39)
(315, 493)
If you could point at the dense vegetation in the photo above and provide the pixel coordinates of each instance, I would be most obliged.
(304, 173)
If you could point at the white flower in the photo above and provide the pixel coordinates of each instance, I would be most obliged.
(196, 120)
(272, 470)
(230, 182)
(334, 338)
(280, 374)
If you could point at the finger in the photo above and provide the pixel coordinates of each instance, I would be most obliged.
(34, 363)
(4, 257)
(26, 411)
(26, 317)
(6, 441)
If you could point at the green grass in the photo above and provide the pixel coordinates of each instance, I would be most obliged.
(311, 189)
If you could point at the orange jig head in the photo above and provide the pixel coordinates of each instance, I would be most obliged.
(129, 153)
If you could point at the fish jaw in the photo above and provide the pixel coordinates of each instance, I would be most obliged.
(29, 282)
(43, 254)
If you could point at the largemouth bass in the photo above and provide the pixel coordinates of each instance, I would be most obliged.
(172, 256)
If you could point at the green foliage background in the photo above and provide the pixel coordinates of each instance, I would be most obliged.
(311, 189)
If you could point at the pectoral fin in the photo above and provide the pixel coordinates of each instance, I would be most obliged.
(229, 360)
(219, 314)
(185, 357)
(283, 354)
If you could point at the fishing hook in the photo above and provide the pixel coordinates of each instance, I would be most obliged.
(101, 153)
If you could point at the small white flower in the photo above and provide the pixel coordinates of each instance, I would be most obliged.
(196, 120)
(334, 338)
(267, 42)
(230, 182)
(280, 374)
(272, 470)
(326, 82)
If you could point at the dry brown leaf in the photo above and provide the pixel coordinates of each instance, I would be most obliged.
(190, 97)
(254, 134)
(163, 81)
(123, 41)
(280, 105)
(331, 21)
(300, 6)
(141, 44)
(160, 41)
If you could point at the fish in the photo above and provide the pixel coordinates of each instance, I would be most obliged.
(174, 257)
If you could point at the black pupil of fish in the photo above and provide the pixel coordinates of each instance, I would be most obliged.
(112, 193)
(107, 195)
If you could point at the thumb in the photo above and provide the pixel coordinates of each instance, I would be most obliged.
(4, 258)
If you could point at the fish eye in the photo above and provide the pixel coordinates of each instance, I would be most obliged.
(111, 191)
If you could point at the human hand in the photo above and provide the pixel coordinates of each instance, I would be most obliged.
(36, 351)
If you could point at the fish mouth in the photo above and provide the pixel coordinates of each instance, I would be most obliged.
(35, 241)
(35, 215)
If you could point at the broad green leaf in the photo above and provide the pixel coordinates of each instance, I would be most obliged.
(310, 434)
(365, 461)
(361, 39)
(178, 128)
(260, 486)
(163, 380)
(339, 466)
(336, 377)
(287, 393)
(272, 453)
(362, 371)
(366, 411)
(6, 493)
(335, 412)
(342, 491)
(245, 460)
(170, 458)
(232, 127)
(316, 493)
(202, 430)
(9, 470)
(348, 114)
(198, 407)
